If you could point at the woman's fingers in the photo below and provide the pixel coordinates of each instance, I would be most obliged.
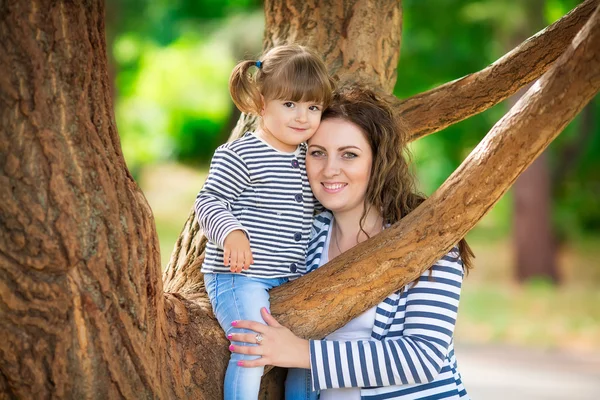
(253, 363)
(269, 319)
(250, 350)
(242, 337)
(253, 326)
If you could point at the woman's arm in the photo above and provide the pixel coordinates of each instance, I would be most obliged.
(413, 351)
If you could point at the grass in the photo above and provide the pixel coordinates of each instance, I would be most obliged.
(494, 309)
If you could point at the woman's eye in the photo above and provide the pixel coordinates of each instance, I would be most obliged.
(349, 155)
(288, 104)
(317, 153)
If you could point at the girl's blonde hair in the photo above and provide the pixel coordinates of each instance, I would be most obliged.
(391, 186)
(288, 72)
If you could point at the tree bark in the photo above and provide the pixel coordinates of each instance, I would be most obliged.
(80, 287)
(82, 308)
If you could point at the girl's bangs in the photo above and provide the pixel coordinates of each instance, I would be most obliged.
(306, 84)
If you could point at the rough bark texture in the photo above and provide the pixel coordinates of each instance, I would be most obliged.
(454, 101)
(82, 309)
(80, 270)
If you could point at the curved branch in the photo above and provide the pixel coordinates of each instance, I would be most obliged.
(436, 109)
(365, 275)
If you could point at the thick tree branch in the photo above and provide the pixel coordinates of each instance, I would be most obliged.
(436, 109)
(363, 276)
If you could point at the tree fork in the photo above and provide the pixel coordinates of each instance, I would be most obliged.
(82, 310)
(363, 276)
(436, 109)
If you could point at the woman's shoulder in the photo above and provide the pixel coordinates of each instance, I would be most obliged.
(321, 222)
(449, 266)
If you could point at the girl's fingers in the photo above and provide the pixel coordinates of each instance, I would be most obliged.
(247, 259)
(234, 260)
(269, 319)
(226, 254)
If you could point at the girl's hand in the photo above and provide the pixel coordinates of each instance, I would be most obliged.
(279, 346)
(236, 251)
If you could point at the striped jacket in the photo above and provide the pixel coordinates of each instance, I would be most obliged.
(255, 188)
(411, 353)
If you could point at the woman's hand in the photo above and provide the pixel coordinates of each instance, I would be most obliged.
(279, 346)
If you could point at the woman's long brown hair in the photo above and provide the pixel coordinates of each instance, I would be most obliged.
(391, 188)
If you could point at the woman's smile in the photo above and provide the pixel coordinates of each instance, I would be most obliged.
(333, 187)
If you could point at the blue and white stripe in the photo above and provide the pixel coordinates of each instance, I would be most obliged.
(411, 351)
(264, 192)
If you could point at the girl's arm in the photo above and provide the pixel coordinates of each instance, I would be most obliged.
(414, 355)
(227, 178)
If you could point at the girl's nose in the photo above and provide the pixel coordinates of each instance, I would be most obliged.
(301, 114)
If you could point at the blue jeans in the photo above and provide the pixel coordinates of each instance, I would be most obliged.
(235, 297)
(298, 385)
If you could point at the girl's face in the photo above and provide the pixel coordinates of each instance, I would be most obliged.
(338, 164)
(286, 123)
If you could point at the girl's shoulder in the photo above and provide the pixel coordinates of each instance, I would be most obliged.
(246, 146)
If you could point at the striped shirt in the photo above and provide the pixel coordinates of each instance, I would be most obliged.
(264, 192)
(411, 351)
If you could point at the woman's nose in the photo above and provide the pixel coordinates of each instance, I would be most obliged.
(331, 168)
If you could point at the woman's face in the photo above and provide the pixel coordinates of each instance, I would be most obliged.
(338, 164)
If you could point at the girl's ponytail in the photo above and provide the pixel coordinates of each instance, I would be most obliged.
(243, 89)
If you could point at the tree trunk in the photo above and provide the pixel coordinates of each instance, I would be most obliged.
(534, 242)
(82, 308)
(80, 281)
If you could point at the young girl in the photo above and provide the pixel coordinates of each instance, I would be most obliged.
(256, 207)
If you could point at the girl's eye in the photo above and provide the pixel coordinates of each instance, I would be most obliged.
(317, 153)
(314, 108)
(348, 155)
(288, 104)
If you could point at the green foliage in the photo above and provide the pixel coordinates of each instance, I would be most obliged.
(173, 59)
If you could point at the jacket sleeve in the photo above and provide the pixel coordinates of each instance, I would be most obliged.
(227, 178)
(415, 354)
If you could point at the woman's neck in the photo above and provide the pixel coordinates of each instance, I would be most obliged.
(347, 231)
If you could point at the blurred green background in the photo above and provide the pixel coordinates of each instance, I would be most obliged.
(170, 63)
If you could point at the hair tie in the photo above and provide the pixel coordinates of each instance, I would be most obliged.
(258, 64)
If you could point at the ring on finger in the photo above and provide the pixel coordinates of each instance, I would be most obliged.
(258, 338)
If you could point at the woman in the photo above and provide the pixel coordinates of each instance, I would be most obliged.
(403, 348)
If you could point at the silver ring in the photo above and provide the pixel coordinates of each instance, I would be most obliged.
(259, 338)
